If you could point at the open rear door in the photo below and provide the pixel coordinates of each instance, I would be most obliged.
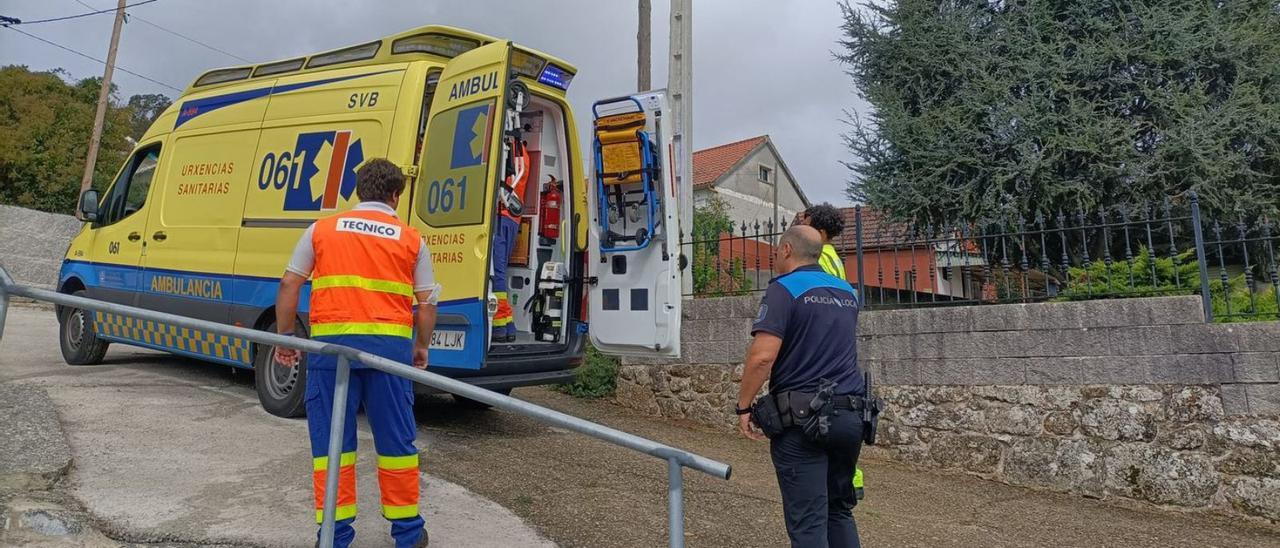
(455, 196)
(633, 240)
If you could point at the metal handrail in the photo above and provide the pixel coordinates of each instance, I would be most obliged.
(676, 458)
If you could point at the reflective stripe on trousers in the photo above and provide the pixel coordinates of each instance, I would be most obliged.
(388, 405)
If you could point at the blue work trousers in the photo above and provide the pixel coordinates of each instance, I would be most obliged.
(387, 401)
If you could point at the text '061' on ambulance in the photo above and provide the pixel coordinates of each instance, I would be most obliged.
(201, 219)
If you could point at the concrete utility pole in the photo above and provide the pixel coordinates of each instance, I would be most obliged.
(104, 95)
(643, 47)
(680, 87)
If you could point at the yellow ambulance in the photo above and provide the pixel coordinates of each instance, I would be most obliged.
(203, 216)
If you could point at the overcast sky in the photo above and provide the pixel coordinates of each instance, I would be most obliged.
(760, 66)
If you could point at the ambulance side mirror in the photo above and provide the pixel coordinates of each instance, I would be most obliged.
(89, 206)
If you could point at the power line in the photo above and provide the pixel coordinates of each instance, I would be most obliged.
(95, 59)
(77, 16)
(180, 35)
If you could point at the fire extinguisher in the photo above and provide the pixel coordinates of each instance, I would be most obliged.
(550, 210)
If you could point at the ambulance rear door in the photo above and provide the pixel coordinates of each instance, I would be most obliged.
(456, 197)
(634, 277)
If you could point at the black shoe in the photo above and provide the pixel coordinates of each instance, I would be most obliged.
(424, 541)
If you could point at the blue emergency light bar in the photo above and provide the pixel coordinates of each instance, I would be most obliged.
(555, 77)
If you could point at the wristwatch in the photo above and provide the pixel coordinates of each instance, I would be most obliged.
(742, 411)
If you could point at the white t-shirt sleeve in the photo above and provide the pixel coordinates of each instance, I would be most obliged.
(304, 255)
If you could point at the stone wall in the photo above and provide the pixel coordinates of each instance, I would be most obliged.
(33, 243)
(1138, 399)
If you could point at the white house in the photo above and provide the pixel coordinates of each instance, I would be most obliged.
(747, 175)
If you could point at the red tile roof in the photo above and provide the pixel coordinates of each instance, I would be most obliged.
(877, 231)
(712, 163)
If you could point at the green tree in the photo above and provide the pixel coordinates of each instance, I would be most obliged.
(44, 132)
(1000, 108)
(714, 275)
(143, 110)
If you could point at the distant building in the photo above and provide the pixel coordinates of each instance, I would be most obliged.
(901, 266)
(744, 175)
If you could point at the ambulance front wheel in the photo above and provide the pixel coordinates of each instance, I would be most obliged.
(80, 343)
(281, 390)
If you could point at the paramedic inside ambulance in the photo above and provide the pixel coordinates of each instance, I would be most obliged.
(504, 236)
(367, 268)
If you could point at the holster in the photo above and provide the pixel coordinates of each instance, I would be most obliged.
(870, 413)
(814, 416)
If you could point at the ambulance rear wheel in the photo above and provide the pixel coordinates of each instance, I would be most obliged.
(281, 390)
(80, 343)
(466, 403)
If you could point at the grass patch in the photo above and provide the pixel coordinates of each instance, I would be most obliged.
(597, 377)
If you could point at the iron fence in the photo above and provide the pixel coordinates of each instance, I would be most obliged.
(676, 459)
(1143, 250)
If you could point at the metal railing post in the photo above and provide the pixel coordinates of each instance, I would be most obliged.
(857, 231)
(675, 503)
(1206, 299)
(337, 419)
(5, 281)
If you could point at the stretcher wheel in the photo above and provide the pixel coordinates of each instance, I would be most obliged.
(642, 236)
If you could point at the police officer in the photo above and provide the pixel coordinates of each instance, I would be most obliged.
(803, 341)
(366, 269)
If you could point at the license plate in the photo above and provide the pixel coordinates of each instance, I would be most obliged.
(448, 340)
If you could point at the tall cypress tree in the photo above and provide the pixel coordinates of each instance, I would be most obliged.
(998, 109)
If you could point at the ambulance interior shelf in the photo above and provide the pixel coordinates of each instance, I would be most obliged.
(626, 172)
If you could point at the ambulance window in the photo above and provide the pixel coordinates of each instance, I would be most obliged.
(129, 193)
(433, 80)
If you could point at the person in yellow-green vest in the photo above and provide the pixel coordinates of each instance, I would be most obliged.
(829, 222)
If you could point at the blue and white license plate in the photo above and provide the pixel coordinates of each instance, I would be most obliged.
(444, 339)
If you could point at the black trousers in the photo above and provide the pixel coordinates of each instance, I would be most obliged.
(817, 482)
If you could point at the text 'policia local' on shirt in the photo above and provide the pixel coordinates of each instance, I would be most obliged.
(816, 315)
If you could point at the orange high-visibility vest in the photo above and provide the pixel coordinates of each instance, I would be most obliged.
(362, 283)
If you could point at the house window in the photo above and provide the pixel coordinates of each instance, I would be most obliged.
(700, 201)
(766, 174)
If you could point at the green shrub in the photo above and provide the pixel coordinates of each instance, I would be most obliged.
(1178, 275)
(1246, 305)
(597, 377)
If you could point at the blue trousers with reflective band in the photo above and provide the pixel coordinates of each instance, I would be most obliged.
(387, 401)
(504, 239)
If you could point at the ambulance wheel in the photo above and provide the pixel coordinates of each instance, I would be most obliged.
(281, 390)
(80, 343)
(477, 405)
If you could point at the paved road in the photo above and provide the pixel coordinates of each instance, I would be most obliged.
(172, 450)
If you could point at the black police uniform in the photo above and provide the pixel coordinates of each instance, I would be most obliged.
(816, 315)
